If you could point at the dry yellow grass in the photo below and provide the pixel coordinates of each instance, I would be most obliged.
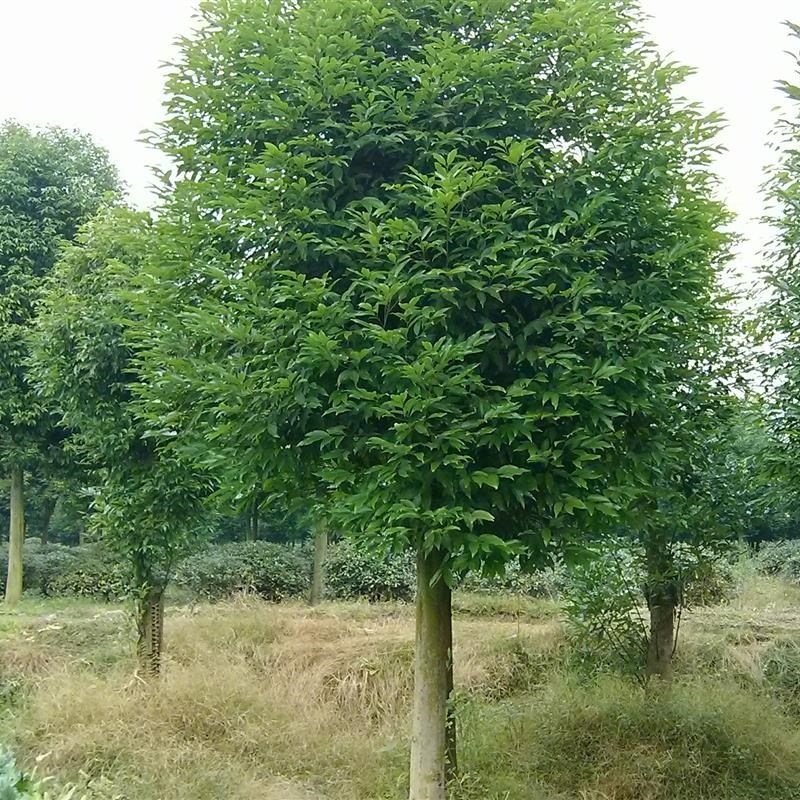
(264, 702)
(257, 696)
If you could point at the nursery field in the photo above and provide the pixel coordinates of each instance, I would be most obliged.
(287, 702)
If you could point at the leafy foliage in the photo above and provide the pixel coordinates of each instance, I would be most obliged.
(457, 260)
(778, 317)
(13, 785)
(272, 571)
(605, 599)
(144, 502)
(353, 572)
(84, 571)
(781, 559)
(51, 181)
(605, 614)
(550, 582)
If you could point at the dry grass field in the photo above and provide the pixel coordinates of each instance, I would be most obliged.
(283, 702)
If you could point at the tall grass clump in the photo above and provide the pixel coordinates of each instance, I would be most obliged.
(610, 740)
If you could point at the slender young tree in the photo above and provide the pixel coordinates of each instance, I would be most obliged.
(145, 502)
(437, 255)
(51, 181)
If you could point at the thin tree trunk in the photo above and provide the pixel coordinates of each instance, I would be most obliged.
(49, 508)
(16, 536)
(429, 735)
(150, 623)
(320, 556)
(662, 602)
(251, 529)
(451, 766)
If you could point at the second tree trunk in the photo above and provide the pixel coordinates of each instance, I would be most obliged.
(318, 570)
(16, 536)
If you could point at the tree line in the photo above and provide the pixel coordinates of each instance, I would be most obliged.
(447, 278)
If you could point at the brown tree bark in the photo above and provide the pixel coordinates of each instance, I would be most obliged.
(432, 684)
(662, 635)
(16, 536)
(662, 601)
(150, 623)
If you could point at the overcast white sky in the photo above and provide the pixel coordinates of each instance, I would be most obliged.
(94, 65)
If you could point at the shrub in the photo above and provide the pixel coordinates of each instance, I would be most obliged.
(354, 573)
(45, 565)
(549, 583)
(84, 571)
(780, 559)
(272, 571)
(98, 574)
(708, 577)
(603, 606)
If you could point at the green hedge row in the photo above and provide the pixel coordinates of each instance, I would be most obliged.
(273, 571)
(277, 572)
(56, 570)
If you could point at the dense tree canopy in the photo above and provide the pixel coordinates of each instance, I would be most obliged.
(51, 182)
(503, 241)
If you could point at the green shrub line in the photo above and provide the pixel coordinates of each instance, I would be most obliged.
(279, 572)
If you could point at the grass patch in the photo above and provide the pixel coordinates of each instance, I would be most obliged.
(291, 703)
(609, 740)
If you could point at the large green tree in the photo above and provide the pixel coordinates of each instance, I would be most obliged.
(51, 181)
(435, 256)
(780, 313)
(146, 504)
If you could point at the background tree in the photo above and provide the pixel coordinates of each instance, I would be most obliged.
(439, 254)
(145, 503)
(51, 181)
(780, 313)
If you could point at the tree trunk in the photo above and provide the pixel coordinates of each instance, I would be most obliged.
(150, 623)
(49, 508)
(16, 537)
(251, 531)
(320, 556)
(432, 683)
(662, 599)
(451, 765)
(662, 635)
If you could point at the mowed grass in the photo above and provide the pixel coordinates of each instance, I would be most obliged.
(291, 703)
